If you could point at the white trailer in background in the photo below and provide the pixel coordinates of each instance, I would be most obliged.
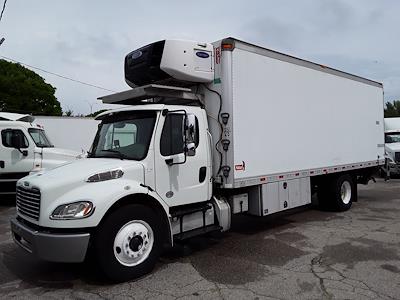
(74, 133)
(215, 129)
(392, 147)
(25, 148)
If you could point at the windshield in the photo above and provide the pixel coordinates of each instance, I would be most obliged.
(392, 137)
(40, 138)
(125, 135)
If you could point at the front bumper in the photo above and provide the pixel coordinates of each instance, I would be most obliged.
(54, 247)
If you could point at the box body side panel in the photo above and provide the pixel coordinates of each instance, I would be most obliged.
(287, 117)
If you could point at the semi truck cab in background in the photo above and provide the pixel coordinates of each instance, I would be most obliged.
(204, 136)
(392, 147)
(25, 148)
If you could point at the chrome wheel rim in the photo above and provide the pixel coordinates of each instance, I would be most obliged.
(345, 192)
(133, 243)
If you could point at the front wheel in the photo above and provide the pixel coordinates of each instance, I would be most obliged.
(128, 243)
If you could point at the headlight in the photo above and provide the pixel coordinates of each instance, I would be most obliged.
(113, 174)
(77, 210)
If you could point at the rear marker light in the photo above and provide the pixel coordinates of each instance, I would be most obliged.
(227, 47)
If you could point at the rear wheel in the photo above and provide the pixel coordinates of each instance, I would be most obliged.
(128, 243)
(338, 194)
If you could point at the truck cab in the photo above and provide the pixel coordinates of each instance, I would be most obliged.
(170, 139)
(151, 161)
(392, 147)
(392, 152)
(25, 148)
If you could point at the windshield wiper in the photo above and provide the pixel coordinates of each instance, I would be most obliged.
(120, 155)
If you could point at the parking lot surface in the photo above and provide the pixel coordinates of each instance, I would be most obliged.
(307, 254)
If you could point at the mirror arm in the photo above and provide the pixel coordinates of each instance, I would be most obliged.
(23, 152)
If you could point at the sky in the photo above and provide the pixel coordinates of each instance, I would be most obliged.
(87, 40)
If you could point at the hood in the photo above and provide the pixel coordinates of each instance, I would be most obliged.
(393, 147)
(74, 174)
(67, 183)
(61, 152)
(49, 158)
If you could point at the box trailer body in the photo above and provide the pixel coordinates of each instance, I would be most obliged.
(35, 154)
(288, 116)
(74, 133)
(209, 130)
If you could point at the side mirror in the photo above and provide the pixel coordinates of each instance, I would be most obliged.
(191, 149)
(17, 142)
(175, 159)
(191, 133)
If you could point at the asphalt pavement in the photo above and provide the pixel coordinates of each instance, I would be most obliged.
(303, 254)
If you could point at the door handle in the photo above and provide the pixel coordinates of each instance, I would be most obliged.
(202, 174)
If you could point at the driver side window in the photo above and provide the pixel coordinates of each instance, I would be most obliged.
(6, 138)
(172, 135)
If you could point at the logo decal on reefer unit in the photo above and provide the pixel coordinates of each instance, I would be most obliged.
(202, 54)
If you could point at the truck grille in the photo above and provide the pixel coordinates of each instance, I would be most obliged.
(397, 157)
(28, 202)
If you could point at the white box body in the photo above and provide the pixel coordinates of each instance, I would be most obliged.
(289, 118)
(392, 124)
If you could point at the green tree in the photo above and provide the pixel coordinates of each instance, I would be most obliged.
(24, 91)
(69, 113)
(392, 109)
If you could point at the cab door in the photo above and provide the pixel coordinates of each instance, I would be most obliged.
(182, 177)
(14, 160)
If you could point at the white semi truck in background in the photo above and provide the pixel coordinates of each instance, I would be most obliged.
(210, 130)
(25, 148)
(392, 147)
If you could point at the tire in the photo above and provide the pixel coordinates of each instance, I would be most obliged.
(384, 170)
(382, 173)
(338, 194)
(128, 242)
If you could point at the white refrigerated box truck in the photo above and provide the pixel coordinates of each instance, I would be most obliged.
(210, 130)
